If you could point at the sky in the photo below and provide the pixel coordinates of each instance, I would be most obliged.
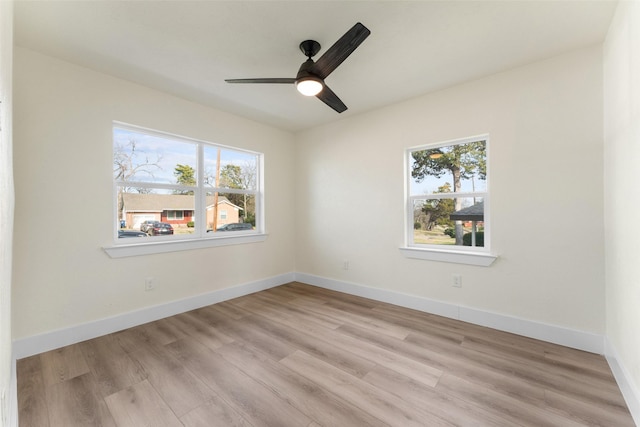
(163, 153)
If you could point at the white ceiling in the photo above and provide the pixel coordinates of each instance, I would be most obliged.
(188, 48)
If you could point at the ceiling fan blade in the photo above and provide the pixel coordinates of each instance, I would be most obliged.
(263, 80)
(340, 50)
(331, 99)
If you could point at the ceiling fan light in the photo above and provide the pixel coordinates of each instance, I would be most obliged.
(309, 86)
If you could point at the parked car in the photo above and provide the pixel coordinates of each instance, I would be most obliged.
(145, 225)
(160, 228)
(131, 233)
(236, 226)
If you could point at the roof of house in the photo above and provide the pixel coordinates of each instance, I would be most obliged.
(165, 202)
(471, 213)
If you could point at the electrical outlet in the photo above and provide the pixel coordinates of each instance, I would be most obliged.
(456, 280)
(149, 284)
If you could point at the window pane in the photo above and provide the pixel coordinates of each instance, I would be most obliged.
(235, 169)
(448, 169)
(449, 221)
(234, 212)
(158, 181)
(148, 158)
(144, 210)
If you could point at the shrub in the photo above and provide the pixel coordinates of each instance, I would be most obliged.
(466, 239)
(191, 224)
(417, 225)
(451, 232)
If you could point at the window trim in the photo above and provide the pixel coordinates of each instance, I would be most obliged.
(162, 244)
(472, 255)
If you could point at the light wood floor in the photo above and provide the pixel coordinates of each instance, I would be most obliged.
(298, 355)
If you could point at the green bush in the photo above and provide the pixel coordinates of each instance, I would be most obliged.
(191, 224)
(417, 226)
(451, 232)
(466, 239)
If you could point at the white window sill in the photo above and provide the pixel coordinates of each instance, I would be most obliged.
(457, 257)
(136, 249)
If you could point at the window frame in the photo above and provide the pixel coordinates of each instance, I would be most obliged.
(175, 217)
(200, 238)
(474, 255)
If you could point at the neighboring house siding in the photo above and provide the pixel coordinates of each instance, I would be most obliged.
(228, 213)
(156, 207)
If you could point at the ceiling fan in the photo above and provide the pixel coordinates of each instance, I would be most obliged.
(310, 78)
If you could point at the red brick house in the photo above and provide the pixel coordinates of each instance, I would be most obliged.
(174, 209)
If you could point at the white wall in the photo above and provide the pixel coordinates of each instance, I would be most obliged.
(63, 173)
(622, 189)
(6, 209)
(545, 122)
(545, 125)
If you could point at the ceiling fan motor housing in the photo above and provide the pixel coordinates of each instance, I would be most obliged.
(304, 72)
(310, 48)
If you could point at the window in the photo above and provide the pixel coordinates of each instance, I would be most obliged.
(175, 215)
(448, 196)
(162, 178)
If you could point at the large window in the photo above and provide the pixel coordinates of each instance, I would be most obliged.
(175, 188)
(448, 195)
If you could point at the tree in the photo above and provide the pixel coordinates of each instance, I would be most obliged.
(128, 162)
(463, 161)
(185, 175)
(437, 211)
(241, 178)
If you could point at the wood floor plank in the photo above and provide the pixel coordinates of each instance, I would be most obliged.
(302, 393)
(259, 405)
(457, 411)
(248, 331)
(588, 413)
(510, 409)
(77, 403)
(136, 338)
(112, 367)
(375, 324)
(289, 310)
(141, 406)
(377, 355)
(298, 355)
(544, 376)
(379, 403)
(163, 331)
(180, 389)
(449, 360)
(191, 325)
(583, 367)
(216, 412)
(32, 400)
(230, 311)
(348, 362)
(63, 364)
(568, 357)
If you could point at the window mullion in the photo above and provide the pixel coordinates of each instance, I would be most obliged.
(201, 194)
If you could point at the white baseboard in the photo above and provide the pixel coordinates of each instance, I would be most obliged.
(628, 388)
(29, 346)
(551, 333)
(581, 340)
